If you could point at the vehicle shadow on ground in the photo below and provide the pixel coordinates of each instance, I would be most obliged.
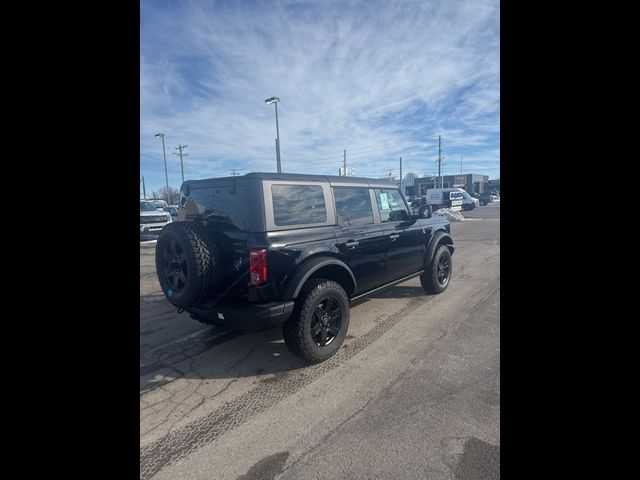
(210, 353)
(219, 353)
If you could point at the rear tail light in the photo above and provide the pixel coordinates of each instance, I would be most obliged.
(258, 266)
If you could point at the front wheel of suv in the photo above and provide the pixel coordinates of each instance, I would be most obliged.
(437, 276)
(319, 322)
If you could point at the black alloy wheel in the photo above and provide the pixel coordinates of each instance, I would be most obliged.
(443, 269)
(187, 263)
(175, 266)
(437, 276)
(319, 322)
(326, 322)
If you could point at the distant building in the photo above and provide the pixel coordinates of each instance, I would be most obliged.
(493, 185)
(470, 182)
(406, 183)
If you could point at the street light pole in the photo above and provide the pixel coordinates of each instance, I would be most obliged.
(275, 101)
(144, 190)
(166, 173)
(278, 137)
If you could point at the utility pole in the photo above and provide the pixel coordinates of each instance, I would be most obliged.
(460, 164)
(401, 189)
(179, 148)
(144, 191)
(234, 173)
(166, 173)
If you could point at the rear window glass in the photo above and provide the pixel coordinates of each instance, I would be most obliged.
(222, 205)
(298, 204)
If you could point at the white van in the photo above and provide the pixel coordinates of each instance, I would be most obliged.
(450, 198)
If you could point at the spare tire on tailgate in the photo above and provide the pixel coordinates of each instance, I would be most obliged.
(187, 263)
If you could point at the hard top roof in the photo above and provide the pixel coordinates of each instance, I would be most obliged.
(332, 179)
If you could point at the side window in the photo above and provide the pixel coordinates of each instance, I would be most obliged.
(390, 203)
(353, 206)
(298, 204)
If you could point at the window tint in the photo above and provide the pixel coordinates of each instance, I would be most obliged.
(353, 206)
(389, 201)
(228, 209)
(298, 204)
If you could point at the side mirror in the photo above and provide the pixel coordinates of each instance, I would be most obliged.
(425, 211)
(399, 216)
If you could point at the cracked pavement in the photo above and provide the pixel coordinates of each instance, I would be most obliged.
(413, 393)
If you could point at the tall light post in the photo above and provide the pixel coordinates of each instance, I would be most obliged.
(144, 190)
(166, 173)
(275, 101)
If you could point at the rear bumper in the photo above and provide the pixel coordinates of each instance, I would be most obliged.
(249, 317)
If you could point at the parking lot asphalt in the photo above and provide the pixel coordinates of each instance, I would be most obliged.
(413, 393)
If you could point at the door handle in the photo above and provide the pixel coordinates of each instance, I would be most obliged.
(352, 244)
(394, 237)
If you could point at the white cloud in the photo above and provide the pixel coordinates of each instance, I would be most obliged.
(381, 79)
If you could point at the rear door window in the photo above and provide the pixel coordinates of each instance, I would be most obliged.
(353, 206)
(298, 204)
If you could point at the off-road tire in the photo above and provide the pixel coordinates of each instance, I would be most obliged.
(200, 259)
(431, 278)
(297, 329)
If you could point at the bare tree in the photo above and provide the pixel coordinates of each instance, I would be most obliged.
(172, 198)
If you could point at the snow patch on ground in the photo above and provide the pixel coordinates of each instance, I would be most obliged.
(451, 215)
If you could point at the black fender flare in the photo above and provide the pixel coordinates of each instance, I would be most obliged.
(440, 236)
(304, 272)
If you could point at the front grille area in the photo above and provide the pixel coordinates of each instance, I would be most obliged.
(153, 219)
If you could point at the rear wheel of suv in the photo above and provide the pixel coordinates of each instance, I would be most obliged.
(186, 263)
(438, 275)
(319, 322)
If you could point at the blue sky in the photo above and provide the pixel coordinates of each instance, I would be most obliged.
(381, 79)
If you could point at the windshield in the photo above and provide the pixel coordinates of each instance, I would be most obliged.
(147, 207)
(466, 195)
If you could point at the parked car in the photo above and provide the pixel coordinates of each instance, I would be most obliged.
(261, 250)
(173, 211)
(159, 204)
(486, 198)
(449, 198)
(421, 208)
(152, 220)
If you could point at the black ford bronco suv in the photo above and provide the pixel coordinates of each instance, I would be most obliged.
(255, 251)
